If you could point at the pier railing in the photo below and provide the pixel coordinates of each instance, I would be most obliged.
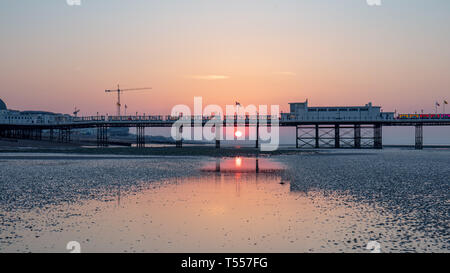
(250, 118)
(236, 118)
(168, 118)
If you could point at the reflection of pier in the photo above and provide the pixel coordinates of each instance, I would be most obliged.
(309, 134)
(237, 165)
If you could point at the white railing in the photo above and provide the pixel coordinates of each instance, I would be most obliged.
(169, 118)
(240, 118)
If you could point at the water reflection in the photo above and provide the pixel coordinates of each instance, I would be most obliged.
(238, 161)
(243, 165)
(224, 213)
(235, 205)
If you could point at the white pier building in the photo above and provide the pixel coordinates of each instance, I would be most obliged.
(301, 111)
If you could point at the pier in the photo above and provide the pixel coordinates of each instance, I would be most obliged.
(356, 134)
(336, 127)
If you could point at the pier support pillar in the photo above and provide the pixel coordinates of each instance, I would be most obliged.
(218, 130)
(317, 137)
(218, 165)
(307, 136)
(99, 137)
(257, 134)
(357, 136)
(179, 140)
(140, 136)
(102, 136)
(105, 135)
(419, 137)
(378, 136)
(337, 139)
(60, 135)
(65, 135)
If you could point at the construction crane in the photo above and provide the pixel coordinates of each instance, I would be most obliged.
(76, 111)
(118, 90)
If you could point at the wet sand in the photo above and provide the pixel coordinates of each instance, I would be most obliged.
(188, 150)
(332, 202)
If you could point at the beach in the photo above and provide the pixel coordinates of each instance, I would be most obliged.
(326, 201)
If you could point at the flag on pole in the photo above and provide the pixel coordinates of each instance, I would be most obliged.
(238, 104)
(437, 104)
(445, 102)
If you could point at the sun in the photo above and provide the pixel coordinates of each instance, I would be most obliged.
(238, 133)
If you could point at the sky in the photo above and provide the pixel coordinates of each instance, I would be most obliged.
(334, 52)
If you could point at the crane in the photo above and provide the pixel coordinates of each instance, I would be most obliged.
(76, 111)
(118, 90)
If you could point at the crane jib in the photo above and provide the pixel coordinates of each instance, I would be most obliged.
(118, 90)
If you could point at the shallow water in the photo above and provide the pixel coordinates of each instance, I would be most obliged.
(283, 204)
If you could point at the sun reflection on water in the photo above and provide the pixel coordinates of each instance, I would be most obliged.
(238, 162)
(243, 165)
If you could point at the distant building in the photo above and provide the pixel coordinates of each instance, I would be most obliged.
(8, 116)
(301, 111)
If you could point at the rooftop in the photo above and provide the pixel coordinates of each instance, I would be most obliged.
(2, 105)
